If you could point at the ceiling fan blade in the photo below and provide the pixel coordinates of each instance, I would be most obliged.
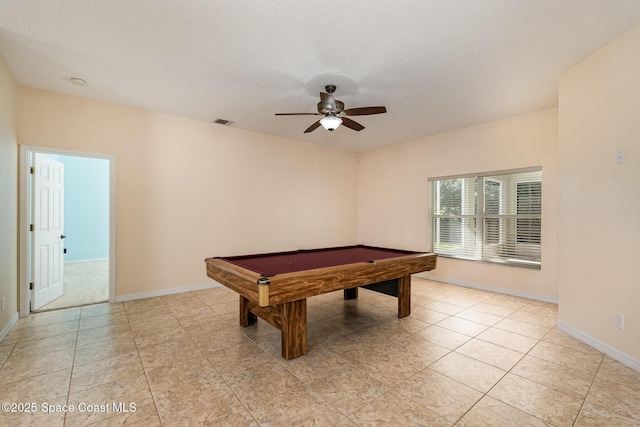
(313, 127)
(365, 111)
(297, 114)
(351, 124)
(327, 101)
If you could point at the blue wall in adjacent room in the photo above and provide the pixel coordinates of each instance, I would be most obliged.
(86, 207)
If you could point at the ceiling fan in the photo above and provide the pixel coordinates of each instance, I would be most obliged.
(334, 113)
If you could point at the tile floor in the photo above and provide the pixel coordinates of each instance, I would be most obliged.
(84, 283)
(464, 357)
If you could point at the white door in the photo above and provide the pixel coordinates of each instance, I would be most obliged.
(48, 234)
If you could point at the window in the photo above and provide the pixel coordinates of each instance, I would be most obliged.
(528, 203)
(492, 217)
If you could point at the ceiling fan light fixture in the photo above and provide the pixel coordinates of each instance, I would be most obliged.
(330, 123)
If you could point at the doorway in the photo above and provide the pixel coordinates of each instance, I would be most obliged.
(87, 237)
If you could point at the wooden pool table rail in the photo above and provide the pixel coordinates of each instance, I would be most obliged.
(307, 283)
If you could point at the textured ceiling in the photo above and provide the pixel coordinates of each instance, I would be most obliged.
(436, 65)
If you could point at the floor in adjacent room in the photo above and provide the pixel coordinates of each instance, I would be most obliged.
(463, 357)
(85, 283)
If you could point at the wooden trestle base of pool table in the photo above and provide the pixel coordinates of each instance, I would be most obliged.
(291, 317)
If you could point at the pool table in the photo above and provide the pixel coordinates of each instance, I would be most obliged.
(275, 286)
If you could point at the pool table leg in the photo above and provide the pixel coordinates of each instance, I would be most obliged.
(351, 293)
(246, 317)
(404, 296)
(294, 328)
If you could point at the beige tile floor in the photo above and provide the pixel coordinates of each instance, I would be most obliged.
(84, 283)
(464, 357)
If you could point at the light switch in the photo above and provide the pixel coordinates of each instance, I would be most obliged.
(620, 157)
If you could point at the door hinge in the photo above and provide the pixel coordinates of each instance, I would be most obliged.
(30, 286)
(31, 227)
(32, 169)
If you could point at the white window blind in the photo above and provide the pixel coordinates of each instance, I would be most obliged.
(491, 217)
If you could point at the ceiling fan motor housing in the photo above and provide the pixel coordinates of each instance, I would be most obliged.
(322, 109)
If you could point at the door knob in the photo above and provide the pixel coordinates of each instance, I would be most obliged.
(62, 236)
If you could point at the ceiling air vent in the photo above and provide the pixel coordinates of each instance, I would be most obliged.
(223, 122)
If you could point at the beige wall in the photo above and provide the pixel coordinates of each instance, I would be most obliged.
(392, 193)
(187, 190)
(599, 227)
(8, 194)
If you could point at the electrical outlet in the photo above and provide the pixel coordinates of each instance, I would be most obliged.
(3, 303)
(619, 320)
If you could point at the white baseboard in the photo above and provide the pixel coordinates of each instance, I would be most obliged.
(81, 261)
(164, 292)
(488, 288)
(599, 345)
(6, 329)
